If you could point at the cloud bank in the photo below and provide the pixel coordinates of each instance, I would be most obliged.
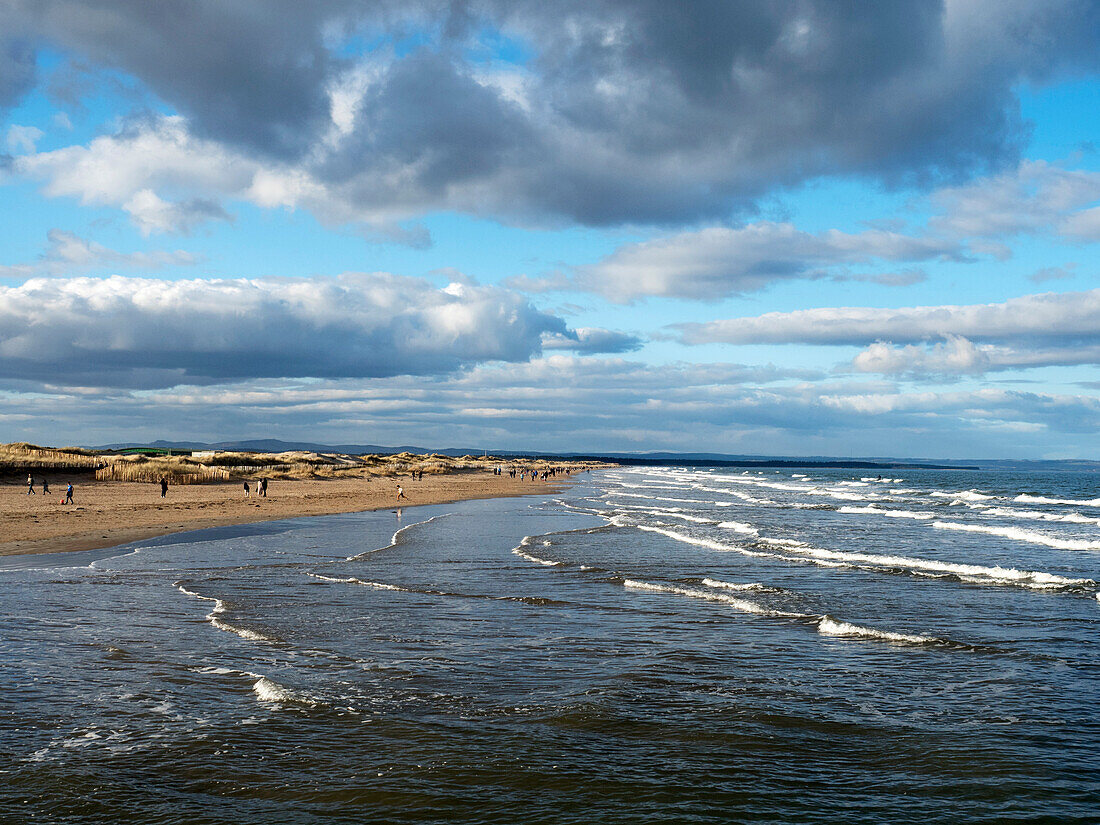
(133, 332)
(1051, 316)
(598, 113)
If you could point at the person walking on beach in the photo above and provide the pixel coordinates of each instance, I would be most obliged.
(45, 487)
(163, 486)
(30, 485)
(69, 494)
(247, 492)
(400, 492)
(263, 487)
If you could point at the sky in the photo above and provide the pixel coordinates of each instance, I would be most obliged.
(767, 228)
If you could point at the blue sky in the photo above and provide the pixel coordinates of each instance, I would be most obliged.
(775, 228)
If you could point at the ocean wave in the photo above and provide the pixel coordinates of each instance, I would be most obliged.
(844, 495)
(740, 527)
(1033, 579)
(759, 482)
(396, 538)
(1019, 534)
(267, 690)
(826, 625)
(655, 498)
(700, 542)
(1083, 502)
(722, 585)
(519, 551)
(798, 551)
(670, 484)
(1039, 515)
(677, 514)
(767, 502)
(962, 495)
(214, 618)
(834, 627)
(872, 510)
(361, 582)
(743, 605)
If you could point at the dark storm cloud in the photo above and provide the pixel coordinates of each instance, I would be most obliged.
(17, 68)
(248, 73)
(617, 112)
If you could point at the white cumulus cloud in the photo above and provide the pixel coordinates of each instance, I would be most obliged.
(122, 331)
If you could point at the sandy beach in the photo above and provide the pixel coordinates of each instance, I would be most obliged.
(106, 514)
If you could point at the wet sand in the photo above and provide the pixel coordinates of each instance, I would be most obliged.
(106, 514)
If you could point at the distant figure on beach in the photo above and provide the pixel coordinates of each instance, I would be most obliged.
(45, 487)
(69, 494)
(30, 485)
(400, 492)
(247, 492)
(163, 486)
(263, 487)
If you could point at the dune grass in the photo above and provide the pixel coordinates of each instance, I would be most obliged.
(229, 466)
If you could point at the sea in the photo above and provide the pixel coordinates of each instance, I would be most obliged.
(648, 645)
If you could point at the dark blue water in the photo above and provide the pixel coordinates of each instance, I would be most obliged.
(651, 646)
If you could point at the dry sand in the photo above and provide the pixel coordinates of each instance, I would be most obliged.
(106, 514)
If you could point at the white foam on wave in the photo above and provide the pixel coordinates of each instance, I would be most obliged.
(361, 582)
(1083, 502)
(649, 484)
(962, 495)
(94, 565)
(970, 572)
(267, 690)
(844, 495)
(397, 537)
(1039, 515)
(738, 494)
(646, 508)
(743, 605)
(673, 513)
(701, 542)
(616, 494)
(1017, 534)
(757, 481)
(872, 510)
(826, 625)
(740, 527)
(834, 627)
(519, 551)
(723, 585)
(214, 617)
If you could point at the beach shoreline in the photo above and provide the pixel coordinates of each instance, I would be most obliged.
(110, 514)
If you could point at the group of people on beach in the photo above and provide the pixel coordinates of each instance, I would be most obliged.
(261, 489)
(46, 489)
(534, 474)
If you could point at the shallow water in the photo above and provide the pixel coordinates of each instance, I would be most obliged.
(655, 645)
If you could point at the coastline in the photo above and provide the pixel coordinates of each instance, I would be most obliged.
(109, 514)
